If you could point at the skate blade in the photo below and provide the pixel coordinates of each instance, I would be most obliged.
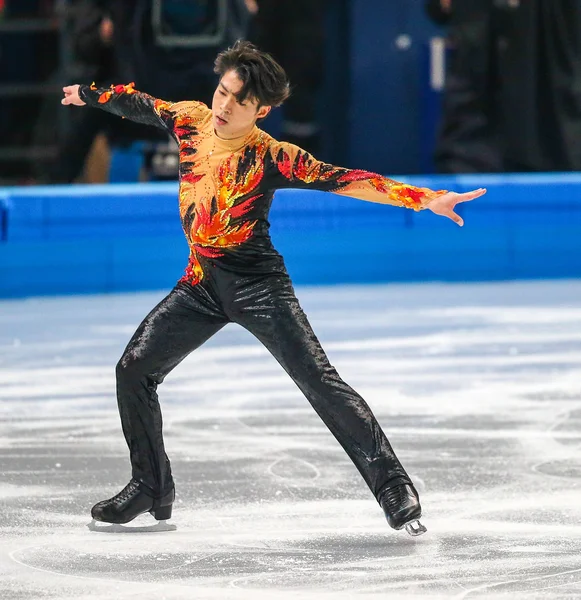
(415, 528)
(101, 527)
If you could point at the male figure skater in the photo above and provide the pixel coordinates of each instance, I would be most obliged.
(229, 170)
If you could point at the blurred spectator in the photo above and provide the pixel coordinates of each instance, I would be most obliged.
(92, 35)
(292, 31)
(117, 42)
(164, 67)
(93, 59)
(513, 90)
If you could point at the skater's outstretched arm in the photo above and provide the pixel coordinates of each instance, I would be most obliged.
(126, 101)
(299, 169)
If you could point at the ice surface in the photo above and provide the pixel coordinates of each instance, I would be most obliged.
(477, 386)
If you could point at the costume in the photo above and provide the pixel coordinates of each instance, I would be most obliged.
(234, 274)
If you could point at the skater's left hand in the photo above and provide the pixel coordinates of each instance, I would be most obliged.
(444, 205)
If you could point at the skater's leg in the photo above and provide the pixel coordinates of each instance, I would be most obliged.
(179, 324)
(270, 310)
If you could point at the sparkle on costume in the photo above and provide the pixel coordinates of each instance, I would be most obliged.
(226, 187)
(234, 274)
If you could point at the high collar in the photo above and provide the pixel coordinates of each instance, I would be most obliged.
(235, 144)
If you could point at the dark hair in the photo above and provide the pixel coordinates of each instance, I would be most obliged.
(263, 78)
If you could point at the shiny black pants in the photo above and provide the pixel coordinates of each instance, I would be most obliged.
(267, 307)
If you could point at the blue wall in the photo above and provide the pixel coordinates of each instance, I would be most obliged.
(83, 239)
(393, 115)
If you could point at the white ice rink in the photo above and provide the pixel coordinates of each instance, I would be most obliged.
(477, 386)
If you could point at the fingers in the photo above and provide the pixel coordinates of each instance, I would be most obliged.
(466, 196)
(71, 96)
(456, 218)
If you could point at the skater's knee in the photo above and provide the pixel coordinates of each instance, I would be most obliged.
(132, 370)
(129, 368)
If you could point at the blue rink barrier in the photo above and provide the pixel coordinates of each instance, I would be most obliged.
(94, 239)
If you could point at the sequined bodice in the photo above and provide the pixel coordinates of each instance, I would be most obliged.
(227, 186)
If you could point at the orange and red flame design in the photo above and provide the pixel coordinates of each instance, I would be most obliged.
(408, 196)
(213, 227)
(115, 89)
(306, 169)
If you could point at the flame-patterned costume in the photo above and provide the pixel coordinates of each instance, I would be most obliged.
(227, 186)
(234, 274)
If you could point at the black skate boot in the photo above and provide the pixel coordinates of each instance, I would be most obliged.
(401, 506)
(133, 500)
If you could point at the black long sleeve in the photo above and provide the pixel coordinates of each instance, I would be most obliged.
(125, 101)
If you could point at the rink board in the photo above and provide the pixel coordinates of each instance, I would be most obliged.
(93, 239)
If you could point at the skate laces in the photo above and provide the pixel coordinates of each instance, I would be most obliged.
(396, 494)
(126, 492)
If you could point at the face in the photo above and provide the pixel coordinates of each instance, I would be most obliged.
(231, 118)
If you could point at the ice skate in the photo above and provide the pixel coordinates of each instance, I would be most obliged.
(132, 501)
(402, 509)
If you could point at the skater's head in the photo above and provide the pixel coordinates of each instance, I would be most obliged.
(251, 83)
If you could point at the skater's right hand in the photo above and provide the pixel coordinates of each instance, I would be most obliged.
(72, 96)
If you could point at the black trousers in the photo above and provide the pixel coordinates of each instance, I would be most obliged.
(266, 306)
